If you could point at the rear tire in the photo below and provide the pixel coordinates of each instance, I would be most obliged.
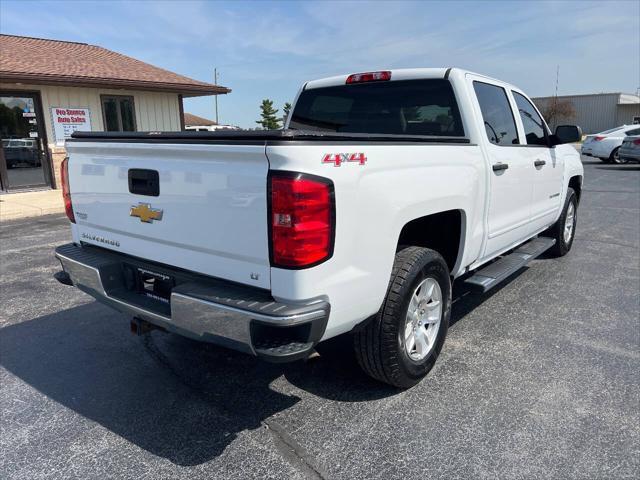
(614, 158)
(564, 230)
(397, 346)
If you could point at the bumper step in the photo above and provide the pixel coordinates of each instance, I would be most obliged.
(494, 273)
(282, 351)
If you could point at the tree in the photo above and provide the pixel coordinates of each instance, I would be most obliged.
(286, 110)
(558, 111)
(268, 113)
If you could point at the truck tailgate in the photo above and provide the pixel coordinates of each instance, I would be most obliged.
(210, 214)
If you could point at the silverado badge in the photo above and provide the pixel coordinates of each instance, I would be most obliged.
(145, 213)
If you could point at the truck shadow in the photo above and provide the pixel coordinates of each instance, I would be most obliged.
(179, 399)
(176, 398)
(617, 168)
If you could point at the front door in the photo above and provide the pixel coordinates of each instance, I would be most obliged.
(510, 170)
(23, 156)
(548, 167)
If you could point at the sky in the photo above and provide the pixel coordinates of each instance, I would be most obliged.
(269, 49)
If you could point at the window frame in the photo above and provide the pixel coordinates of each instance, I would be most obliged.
(510, 102)
(118, 98)
(545, 127)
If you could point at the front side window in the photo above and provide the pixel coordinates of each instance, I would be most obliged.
(534, 130)
(496, 114)
(402, 107)
(119, 113)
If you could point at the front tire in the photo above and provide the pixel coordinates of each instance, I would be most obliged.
(564, 230)
(400, 345)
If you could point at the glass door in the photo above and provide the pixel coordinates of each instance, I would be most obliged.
(23, 156)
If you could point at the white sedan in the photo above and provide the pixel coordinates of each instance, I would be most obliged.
(605, 145)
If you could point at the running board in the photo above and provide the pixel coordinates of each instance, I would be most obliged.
(491, 275)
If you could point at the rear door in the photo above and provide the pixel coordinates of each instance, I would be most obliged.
(511, 186)
(548, 168)
(196, 206)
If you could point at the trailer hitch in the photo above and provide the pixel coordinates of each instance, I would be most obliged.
(140, 327)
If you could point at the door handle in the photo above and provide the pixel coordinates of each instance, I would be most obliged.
(500, 166)
(539, 163)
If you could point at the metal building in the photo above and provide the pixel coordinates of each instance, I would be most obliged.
(598, 111)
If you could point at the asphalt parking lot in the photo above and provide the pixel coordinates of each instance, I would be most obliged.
(539, 379)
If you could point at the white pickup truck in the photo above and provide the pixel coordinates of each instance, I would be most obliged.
(382, 189)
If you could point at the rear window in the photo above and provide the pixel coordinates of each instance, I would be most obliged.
(406, 107)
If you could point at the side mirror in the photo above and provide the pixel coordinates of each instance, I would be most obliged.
(567, 134)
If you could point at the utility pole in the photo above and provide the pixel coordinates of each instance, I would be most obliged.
(555, 98)
(215, 81)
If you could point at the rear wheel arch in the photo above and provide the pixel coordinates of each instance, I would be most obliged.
(443, 232)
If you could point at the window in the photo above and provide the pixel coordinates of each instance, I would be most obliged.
(118, 113)
(633, 132)
(610, 131)
(405, 107)
(534, 129)
(497, 114)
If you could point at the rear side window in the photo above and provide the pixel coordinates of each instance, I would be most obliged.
(531, 121)
(610, 131)
(496, 114)
(633, 132)
(405, 107)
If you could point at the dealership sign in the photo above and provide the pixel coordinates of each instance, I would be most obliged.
(68, 120)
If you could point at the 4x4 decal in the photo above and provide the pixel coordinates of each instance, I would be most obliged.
(339, 158)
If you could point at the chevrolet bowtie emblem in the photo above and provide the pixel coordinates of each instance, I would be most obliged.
(145, 213)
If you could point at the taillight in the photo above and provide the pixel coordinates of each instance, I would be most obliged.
(369, 77)
(301, 219)
(636, 141)
(597, 139)
(66, 193)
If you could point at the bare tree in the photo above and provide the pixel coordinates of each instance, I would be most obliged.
(558, 110)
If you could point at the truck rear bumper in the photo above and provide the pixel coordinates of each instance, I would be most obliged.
(235, 316)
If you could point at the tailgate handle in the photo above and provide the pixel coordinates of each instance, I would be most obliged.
(144, 182)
